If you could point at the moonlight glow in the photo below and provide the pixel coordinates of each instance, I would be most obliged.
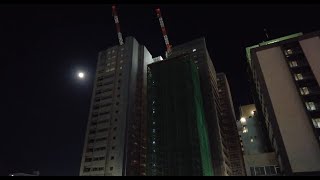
(81, 75)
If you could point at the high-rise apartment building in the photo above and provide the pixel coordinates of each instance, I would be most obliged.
(285, 76)
(259, 158)
(178, 142)
(229, 127)
(215, 121)
(115, 142)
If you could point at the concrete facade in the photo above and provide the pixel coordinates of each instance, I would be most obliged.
(115, 137)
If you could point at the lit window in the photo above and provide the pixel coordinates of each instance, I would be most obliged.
(153, 111)
(310, 106)
(245, 129)
(288, 52)
(194, 50)
(243, 120)
(153, 130)
(120, 67)
(298, 77)
(304, 90)
(293, 64)
(153, 142)
(316, 122)
(153, 123)
(251, 140)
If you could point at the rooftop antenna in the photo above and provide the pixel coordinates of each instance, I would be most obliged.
(266, 33)
(116, 20)
(164, 32)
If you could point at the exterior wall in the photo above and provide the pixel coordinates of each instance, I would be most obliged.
(291, 117)
(112, 112)
(229, 127)
(311, 48)
(260, 160)
(177, 132)
(254, 144)
(197, 50)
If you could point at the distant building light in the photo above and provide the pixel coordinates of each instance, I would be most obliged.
(12, 175)
(243, 120)
(194, 50)
(245, 130)
(251, 140)
(252, 112)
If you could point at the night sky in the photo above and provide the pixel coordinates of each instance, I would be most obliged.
(44, 107)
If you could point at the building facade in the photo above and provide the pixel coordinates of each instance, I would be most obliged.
(285, 75)
(259, 157)
(178, 142)
(198, 53)
(215, 121)
(115, 142)
(229, 127)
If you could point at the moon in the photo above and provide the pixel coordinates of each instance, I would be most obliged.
(81, 75)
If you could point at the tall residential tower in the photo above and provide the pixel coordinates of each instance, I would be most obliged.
(115, 142)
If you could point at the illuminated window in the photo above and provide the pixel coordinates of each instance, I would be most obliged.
(288, 52)
(298, 77)
(194, 50)
(242, 120)
(153, 142)
(304, 91)
(251, 140)
(245, 129)
(293, 64)
(316, 122)
(153, 130)
(310, 106)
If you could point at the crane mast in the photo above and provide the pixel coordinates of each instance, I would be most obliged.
(164, 32)
(116, 20)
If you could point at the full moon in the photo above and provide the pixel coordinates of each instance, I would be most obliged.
(81, 75)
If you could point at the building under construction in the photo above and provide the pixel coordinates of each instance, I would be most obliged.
(217, 110)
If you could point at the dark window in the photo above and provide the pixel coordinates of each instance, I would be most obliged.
(86, 169)
(88, 159)
(113, 147)
(112, 158)
(252, 171)
(111, 168)
(114, 137)
(104, 129)
(116, 120)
